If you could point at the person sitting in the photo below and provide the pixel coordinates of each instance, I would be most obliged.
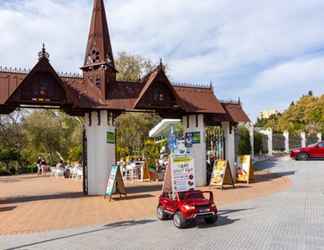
(59, 168)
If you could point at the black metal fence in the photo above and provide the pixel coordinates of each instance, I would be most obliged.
(294, 141)
(311, 139)
(278, 142)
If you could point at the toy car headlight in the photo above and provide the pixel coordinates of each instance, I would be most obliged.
(189, 207)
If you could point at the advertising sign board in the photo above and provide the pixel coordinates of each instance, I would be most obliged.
(182, 173)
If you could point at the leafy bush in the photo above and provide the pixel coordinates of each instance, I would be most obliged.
(259, 144)
(244, 147)
(4, 172)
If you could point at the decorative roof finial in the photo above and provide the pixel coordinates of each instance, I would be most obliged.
(43, 54)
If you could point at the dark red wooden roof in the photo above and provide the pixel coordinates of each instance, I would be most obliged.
(124, 95)
(235, 112)
(93, 91)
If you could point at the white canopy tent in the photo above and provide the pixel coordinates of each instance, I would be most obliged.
(162, 126)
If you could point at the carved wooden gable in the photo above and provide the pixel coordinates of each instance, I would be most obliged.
(157, 94)
(41, 86)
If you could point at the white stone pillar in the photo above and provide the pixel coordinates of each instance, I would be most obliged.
(230, 146)
(195, 123)
(303, 139)
(319, 136)
(100, 152)
(286, 135)
(270, 146)
(251, 132)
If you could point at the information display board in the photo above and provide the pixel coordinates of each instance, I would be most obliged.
(192, 138)
(115, 183)
(222, 174)
(245, 170)
(111, 137)
(182, 173)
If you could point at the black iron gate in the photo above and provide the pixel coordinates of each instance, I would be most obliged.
(215, 142)
(85, 162)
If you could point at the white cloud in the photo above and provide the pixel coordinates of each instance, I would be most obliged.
(242, 46)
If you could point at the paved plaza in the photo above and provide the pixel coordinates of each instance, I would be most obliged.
(290, 219)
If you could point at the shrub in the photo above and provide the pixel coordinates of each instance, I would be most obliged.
(244, 147)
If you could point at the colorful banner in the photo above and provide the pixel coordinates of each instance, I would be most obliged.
(182, 173)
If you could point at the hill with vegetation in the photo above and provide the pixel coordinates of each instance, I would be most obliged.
(304, 115)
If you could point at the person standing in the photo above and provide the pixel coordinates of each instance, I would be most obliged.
(38, 164)
(43, 167)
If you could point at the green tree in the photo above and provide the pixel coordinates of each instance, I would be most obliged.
(132, 67)
(133, 128)
(306, 114)
(52, 134)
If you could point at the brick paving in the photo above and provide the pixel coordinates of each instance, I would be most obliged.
(30, 204)
(291, 219)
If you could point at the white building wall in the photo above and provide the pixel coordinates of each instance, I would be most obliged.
(100, 154)
(198, 150)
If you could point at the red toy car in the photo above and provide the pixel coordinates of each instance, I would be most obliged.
(312, 151)
(186, 207)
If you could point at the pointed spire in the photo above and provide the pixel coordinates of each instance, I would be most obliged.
(43, 54)
(99, 50)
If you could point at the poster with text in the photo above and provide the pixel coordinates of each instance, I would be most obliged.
(111, 187)
(182, 173)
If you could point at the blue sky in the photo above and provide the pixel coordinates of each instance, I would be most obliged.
(268, 53)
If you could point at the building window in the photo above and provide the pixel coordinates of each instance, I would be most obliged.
(161, 97)
(98, 82)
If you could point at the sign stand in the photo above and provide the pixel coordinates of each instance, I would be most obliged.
(146, 173)
(115, 183)
(167, 184)
(222, 175)
(245, 171)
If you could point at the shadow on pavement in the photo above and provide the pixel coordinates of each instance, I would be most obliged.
(106, 227)
(270, 176)
(144, 189)
(22, 199)
(230, 211)
(132, 197)
(221, 221)
(6, 209)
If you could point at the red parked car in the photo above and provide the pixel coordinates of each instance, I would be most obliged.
(312, 151)
(186, 207)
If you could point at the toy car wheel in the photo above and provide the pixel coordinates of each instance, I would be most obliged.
(161, 214)
(179, 221)
(211, 219)
(302, 157)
